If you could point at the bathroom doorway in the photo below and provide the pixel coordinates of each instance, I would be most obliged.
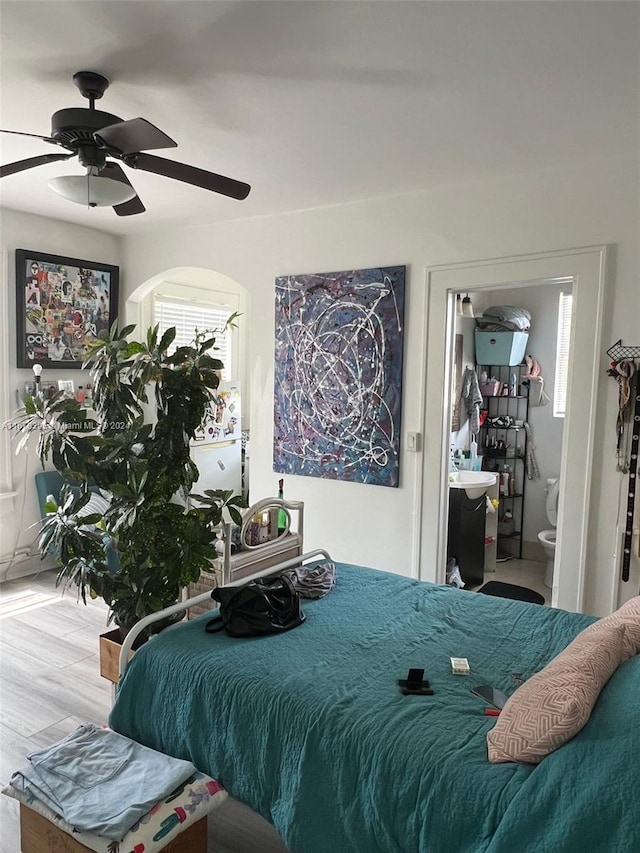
(515, 530)
(585, 269)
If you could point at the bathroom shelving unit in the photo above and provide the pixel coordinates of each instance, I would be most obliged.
(502, 441)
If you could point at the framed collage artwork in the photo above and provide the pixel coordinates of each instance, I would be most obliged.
(62, 305)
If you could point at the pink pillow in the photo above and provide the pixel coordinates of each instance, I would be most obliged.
(629, 616)
(552, 706)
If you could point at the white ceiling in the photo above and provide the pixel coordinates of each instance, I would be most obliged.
(318, 103)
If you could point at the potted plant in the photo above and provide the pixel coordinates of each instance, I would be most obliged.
(155, 537)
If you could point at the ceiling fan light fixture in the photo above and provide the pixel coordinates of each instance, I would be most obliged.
(91, 190)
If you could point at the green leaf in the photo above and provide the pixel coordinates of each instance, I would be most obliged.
(167, 339)
(235, 515)
(152, 336)
(126, 331)
(92, 518)
(29, 405)
(133, 348)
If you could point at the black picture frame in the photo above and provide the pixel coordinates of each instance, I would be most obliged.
(62, 305)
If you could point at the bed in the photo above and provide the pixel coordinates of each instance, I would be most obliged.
(311, 730)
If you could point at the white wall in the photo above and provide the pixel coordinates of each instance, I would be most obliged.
(24, 231)
(585, 204)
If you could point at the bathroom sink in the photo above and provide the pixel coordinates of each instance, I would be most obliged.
(475, 483)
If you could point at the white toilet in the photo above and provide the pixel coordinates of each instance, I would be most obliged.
(547, 538)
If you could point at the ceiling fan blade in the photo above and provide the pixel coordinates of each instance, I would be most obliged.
(127, 208)
(189, 175)
(137, 134)
(31, 162)
(34, 135)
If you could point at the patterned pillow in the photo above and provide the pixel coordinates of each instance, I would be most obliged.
(554, 704)
(629, 616)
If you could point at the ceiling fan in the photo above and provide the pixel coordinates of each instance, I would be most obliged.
(97, 138)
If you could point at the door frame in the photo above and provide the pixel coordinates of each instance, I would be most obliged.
(586, 268)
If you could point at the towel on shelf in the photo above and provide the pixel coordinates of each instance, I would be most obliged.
(504, 318)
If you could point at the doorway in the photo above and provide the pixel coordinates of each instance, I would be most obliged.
(524, 447)
(585, 268)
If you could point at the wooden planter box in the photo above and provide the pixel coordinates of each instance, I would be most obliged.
(110, 646)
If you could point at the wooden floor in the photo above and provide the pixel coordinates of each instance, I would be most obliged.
(50, 684)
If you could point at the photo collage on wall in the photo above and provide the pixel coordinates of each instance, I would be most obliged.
(63, 305)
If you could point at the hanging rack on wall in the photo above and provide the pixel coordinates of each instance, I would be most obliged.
(619, 353)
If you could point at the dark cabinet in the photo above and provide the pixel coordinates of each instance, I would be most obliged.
(466, 535)
(503, 444)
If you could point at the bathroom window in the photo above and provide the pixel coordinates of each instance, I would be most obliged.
(189, 316)
(562, 355)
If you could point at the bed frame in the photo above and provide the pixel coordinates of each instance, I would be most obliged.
(252, 558)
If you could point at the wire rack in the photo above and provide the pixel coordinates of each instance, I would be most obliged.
(618, 351)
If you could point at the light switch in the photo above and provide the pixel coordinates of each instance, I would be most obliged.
(413, 441)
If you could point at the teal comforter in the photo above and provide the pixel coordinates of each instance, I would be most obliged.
(310, 728)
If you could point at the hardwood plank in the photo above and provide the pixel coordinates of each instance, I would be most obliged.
(13, 750)
(61, 650)
(76, 689)
(61, 618)
(9, 824)
(235, 828)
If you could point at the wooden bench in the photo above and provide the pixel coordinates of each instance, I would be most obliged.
(39, 835)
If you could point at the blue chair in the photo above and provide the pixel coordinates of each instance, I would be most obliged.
(47, 483)
(50, 483)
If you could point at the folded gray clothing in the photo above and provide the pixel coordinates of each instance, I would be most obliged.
(100, 781)
(497, 326)
(508, 317)
(313, 582)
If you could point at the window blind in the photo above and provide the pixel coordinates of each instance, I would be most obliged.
(562, 355)
(189, 316)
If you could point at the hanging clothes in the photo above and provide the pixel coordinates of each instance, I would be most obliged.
(624, 372)
(531, 465)
(472, 398)
(538, 396)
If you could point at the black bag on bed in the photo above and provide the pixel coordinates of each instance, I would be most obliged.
(259, 607)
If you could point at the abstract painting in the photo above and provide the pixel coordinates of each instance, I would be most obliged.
(338, 375)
